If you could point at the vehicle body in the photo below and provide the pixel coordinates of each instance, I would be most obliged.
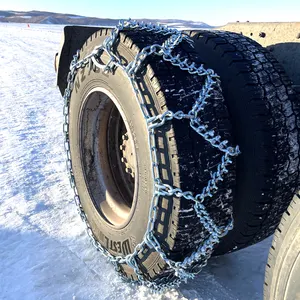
(280, 81)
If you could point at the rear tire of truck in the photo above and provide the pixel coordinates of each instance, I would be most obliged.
(283, 267)
(111, 156)
(264, 111)
(110, 152)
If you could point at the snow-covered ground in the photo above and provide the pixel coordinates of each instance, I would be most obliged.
(44, 251)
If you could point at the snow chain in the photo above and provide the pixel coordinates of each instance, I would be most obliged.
(181, 269)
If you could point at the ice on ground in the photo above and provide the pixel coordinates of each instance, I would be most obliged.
(44, 251)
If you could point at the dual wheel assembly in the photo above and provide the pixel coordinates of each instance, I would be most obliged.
(252, 106)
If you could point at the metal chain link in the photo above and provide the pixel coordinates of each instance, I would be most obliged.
(182, 270)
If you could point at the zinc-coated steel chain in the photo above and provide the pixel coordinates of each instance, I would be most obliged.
(182, 270)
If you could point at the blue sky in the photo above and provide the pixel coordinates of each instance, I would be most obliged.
(213, 12)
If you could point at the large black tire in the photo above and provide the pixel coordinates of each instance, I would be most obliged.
(264, 111)
(282, 278)
(186, 160)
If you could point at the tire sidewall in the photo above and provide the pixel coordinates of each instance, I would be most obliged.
(117, 240)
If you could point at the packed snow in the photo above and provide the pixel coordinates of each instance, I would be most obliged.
(44, 251)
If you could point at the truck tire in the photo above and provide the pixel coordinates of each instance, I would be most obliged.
(264, 112)
(283, 267)
(115, 186)
(104, 117)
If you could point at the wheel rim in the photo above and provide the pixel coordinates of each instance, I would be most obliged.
(108, 157)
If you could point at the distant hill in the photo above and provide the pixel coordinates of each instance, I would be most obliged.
(43, 17)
